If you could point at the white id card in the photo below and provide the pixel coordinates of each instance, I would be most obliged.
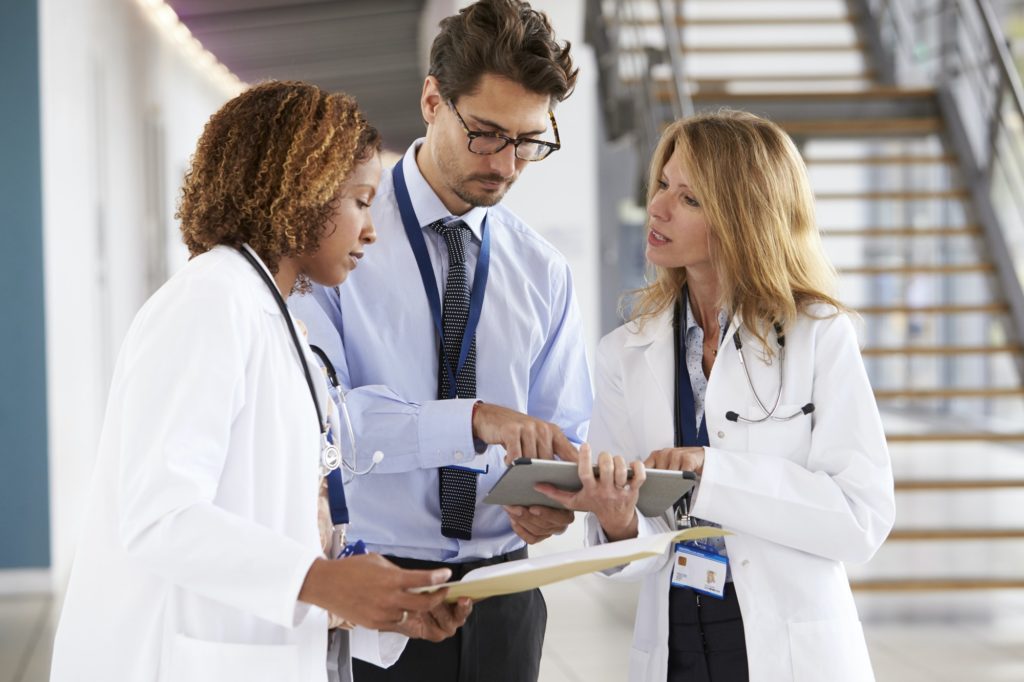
(699, 570)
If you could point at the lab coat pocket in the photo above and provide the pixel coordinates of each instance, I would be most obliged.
(196, 660)
(790, 438)
(832, 650)
(638, 661)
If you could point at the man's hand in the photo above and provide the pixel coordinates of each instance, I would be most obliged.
(677, 459)
(611, 496)
(371, 591)
(536, 523)
(437, 624)
(521, 435)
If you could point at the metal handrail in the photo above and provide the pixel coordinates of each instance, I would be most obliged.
(958, 47)
(681, 99)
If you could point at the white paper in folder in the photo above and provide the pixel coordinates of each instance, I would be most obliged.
(526, 574)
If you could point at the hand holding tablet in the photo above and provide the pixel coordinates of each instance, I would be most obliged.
(517, 485)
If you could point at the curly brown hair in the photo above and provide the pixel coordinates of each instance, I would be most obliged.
(268, 167)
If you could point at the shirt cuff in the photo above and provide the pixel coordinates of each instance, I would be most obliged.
(382, 649)
(446, 433)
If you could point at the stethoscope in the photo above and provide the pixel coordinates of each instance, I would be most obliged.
(332, 378)
(769, 413)
(332, 462)
(331, 457)
(780, 339)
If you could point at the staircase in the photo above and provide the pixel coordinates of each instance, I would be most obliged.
(914, 212)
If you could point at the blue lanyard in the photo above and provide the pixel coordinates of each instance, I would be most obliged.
(335, 484)
(687, 433)
(419, 248)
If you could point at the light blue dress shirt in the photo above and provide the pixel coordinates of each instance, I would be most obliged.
(377, 330)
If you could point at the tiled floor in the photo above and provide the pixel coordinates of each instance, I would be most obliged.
(929, 637)
(925, 638)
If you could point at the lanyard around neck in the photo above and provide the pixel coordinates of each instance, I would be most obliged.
(687, 433)
(419, 248)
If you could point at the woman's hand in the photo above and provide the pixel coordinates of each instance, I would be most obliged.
(439, 623)
(371, 591)
(677, 459)
(610, 495)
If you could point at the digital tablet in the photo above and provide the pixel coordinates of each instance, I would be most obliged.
(515, 487)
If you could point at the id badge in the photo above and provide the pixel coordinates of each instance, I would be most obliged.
(699, 570)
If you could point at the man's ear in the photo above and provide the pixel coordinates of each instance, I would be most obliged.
(430, 99)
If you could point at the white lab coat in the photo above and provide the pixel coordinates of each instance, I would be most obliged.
(801, 496)
(202, 518)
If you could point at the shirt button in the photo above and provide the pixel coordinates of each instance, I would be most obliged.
(721, 434)
(458, 456)
(745, 563)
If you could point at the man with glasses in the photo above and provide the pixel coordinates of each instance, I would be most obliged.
(460, 339)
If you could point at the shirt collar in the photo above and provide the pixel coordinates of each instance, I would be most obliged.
(691, 321)
(425, 201)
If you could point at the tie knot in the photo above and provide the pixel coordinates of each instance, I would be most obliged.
(456, 233)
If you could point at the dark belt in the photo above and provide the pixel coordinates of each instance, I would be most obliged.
(458, 569)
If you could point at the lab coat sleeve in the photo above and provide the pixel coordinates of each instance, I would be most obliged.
(610, 433)
(382, 649)
(179, 402)
(414, 435)
(841, 504)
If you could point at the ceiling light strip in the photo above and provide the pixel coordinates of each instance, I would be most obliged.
(166, 21)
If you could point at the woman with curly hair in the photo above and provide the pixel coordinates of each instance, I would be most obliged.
(201, 556)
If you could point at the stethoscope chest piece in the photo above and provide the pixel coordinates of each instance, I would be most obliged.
(330, 455)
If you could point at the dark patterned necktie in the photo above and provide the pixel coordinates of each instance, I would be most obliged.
(457, 487)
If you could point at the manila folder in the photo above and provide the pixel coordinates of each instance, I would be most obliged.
(526, 574)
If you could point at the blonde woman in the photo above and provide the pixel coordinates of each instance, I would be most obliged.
(738, 364)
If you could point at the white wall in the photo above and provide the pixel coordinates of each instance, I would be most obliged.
(107, 77)
(558, 197)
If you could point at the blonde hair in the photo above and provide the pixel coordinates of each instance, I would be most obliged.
(765, 247)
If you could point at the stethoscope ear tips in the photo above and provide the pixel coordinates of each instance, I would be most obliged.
(732, 416)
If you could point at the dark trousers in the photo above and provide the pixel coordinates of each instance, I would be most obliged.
(705, 641)
(500, 642)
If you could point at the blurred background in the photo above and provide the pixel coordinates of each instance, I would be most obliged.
(908, 112)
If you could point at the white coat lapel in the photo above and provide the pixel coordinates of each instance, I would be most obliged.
(657, 382)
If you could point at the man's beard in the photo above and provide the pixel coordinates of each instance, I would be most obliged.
(460, 185)
(463, 192)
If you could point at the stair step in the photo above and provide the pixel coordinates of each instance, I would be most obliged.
(864, 127)
(947, 484)
(873, 92)
(967, 231)
(927, 393)
(744, 20)
(772, 49)
(940, 534)
(955, 437)
(879, 160)
(940, 350)
(934, 309)
(937, 584)
(718, 83)
(953, 269)
(900, 195)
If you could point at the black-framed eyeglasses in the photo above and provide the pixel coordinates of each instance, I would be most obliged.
(527, 148)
